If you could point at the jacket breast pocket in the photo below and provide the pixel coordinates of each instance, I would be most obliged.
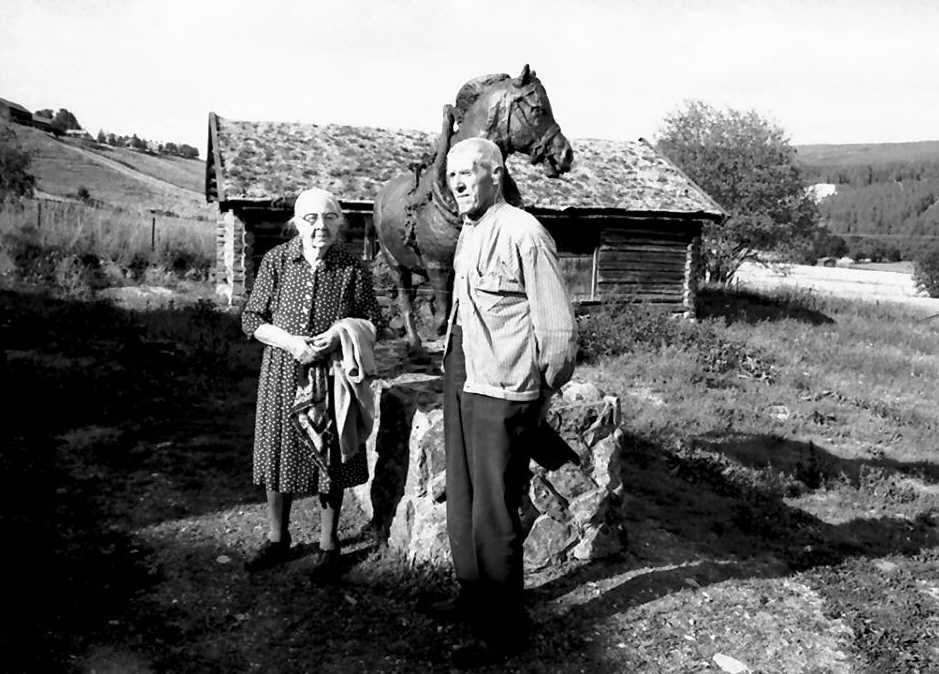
(494, 289)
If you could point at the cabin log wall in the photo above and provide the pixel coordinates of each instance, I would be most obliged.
(245, 234)
(649, 259)
(655, 259)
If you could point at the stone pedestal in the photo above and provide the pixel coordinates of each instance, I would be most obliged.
(570, 512)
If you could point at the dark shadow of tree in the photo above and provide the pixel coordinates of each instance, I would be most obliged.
(151, 393)
(747, 306)
(703, 513)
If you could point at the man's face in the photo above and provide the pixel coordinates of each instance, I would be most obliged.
(474, 186)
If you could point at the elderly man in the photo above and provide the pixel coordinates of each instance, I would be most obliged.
(511, 343)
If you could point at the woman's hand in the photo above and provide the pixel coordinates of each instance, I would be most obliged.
(325, 342)
(301, 351)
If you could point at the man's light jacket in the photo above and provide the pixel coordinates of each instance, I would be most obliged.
(519, 334)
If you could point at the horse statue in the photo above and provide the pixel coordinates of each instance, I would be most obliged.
(415, 216)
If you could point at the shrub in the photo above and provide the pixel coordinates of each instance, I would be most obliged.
(15, 178)
(619, 326)
(926, 270)
(625, 326)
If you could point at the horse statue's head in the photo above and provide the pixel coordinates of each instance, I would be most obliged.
(515, 114)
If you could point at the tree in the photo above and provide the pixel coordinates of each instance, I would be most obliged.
(171, 149)
(926, 270)
(747, 165)
(138, 143)
(15, 178)
(46, 112)
(65, 120)
(102, 138)
(188, 151)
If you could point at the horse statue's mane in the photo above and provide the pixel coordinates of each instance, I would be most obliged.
(472, 90)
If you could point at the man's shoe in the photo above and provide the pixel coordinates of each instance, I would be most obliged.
(269, 555)
(480, 653)
(454, 609)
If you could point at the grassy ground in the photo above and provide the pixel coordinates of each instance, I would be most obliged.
(118, 178)
(903, 267)
(78, 245)
(781, 483)
(188, 174)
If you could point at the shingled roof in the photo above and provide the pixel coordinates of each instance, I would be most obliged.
(269, 161)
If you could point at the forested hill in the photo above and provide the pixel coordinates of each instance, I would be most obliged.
(886, 190)
(863, 154)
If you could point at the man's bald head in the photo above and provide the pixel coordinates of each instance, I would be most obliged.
(484, 150)
(474, 174)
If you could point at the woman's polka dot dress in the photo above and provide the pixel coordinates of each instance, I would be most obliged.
(290, 294)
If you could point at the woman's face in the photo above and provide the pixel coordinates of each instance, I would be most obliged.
(319, 224)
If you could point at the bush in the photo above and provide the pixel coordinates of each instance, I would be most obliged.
(627, 326)
(15, 178)
(926, 270)
(873, 249)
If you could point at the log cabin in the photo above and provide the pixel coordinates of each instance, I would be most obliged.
(627, 221)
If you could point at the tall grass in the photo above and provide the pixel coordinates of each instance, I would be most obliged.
(856, 378)
(37, 234)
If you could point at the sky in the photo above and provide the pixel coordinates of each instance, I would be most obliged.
(826, 72)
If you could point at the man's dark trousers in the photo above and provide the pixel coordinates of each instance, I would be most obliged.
(487, 468)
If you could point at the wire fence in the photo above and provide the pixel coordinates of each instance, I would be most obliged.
(80, 228)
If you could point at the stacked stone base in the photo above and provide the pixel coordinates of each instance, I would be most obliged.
(571, 512)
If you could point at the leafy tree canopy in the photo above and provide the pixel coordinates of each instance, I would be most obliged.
(65, 120)
(746, 163)
(15, 178)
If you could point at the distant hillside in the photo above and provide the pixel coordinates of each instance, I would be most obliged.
(869, 153)
(886, 191)
(118, 177)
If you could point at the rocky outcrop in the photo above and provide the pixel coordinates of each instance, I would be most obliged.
(570, 512)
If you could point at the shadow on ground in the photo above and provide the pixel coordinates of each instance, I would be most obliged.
(745, 306)
(702, 515)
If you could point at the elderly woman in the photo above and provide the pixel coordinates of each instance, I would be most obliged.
(314, 307)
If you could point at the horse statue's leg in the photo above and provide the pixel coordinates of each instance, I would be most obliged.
(441, 278)
(406, 296)
(388, 220)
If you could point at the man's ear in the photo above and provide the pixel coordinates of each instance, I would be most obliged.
(498, 172)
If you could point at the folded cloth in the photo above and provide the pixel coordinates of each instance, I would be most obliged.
(349, 413)
(353, 367)
(311, 414)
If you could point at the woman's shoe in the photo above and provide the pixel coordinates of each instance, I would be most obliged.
(324, 564)
(270, 554)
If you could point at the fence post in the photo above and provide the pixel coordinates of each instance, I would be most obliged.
(38, 213)
(153, 234)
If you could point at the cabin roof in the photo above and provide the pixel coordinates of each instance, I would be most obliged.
(14, 106)
(265, 162)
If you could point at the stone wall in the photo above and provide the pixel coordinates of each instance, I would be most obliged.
(572, 512)
(233, 269)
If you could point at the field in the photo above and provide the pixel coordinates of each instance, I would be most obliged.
(118, 178)
(868, 153)
(106, 216)
(781, 488)
(904, 267)
(890, 282)
(82, 248)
